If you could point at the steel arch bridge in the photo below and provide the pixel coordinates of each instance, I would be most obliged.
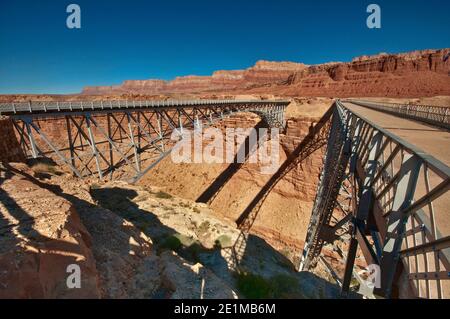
(102, 137)
(382, 196)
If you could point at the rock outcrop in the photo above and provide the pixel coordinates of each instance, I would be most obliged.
(418, 73)
(10, 150)
(41, 234)
(264, 72)
(129, 242)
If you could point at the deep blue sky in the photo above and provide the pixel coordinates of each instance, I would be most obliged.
(137, 39)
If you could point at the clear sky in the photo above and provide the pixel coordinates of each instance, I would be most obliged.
(138, 39)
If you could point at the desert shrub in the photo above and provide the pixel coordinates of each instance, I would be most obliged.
(186, 247)
(163, 195)
(279, 286)
(95, 186)
(192, 252)
(254, 286)
(284, 287)
(44, 169)
(171, 243)
(223, 241)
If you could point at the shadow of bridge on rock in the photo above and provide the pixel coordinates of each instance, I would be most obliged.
(316, 138)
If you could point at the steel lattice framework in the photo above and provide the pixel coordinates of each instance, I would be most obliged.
(103, 137)
(392, 200)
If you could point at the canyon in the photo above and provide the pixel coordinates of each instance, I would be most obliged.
(165, 236)
(179, 232)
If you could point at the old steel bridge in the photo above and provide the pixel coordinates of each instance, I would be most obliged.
(115, 139)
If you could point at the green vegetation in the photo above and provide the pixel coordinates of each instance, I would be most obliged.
(253, 286)
(163, 195)
(95, 186)
(223, 241)
(280, 286)
(171, 243)
(185, 246)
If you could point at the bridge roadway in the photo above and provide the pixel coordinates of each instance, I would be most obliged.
(432, 140)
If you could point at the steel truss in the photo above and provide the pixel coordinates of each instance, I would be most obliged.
(117, 139)
(387, 200)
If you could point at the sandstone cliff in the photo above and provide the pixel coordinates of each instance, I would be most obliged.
(263, 72)
(418, 73)
(129, 241)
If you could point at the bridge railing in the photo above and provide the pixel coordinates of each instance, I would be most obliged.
(399, 208)
(434, 115)
(411, 207)
(56, 106)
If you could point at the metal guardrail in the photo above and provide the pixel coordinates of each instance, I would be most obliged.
(54, 106)
(434, 115)
(399, 207)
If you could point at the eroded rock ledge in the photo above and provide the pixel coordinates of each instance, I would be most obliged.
(129, 241)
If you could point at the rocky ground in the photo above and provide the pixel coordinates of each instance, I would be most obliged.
(131, 241)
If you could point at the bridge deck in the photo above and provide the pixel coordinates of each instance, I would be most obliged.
(432, 140)
(122, 105)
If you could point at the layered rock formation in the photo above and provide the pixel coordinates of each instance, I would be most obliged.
(10, 150)
(418, 73)
(263, 72)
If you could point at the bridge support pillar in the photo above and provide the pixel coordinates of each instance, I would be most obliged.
(93, 146)
(34, 150)
(133, 142)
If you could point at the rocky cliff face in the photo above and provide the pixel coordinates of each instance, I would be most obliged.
(10, 150)
(418, 73)
(263, 72)
(129, 242)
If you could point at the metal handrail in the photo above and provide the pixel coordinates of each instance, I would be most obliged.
(72, 106)
(406, 201)
(419, 223)
(434, 115)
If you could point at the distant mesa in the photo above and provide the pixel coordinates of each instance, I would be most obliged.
(417, 73)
